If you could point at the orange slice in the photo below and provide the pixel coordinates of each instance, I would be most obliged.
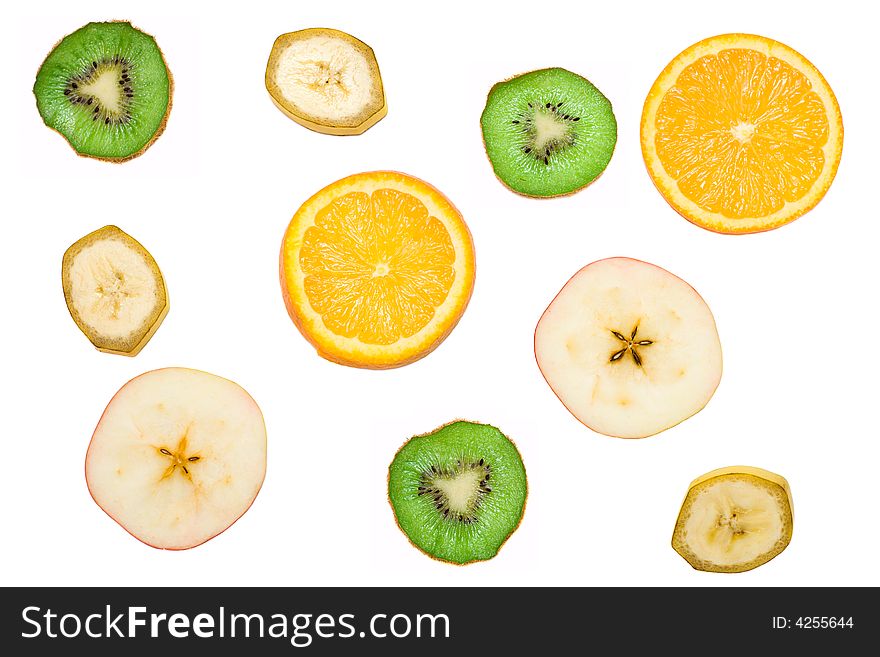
(377, 269)
(741, 134)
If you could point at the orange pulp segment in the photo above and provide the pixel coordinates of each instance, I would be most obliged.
(741, 134)
(376, 269)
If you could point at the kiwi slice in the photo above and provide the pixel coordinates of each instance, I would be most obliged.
(548, 132)
(458, 492)
(106, 89)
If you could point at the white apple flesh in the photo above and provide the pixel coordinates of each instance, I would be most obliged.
(629, 348)
(177, 457)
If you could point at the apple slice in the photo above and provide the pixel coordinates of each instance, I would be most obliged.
(178, 456)
(629, 349)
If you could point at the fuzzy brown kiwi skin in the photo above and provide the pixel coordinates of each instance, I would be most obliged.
(162, 125)
(394, 513)
(535, 196)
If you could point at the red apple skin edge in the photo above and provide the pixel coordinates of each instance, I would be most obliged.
(97, 426)
(538, 362)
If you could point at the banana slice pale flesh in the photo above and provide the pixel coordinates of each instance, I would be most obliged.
(734, 519)
(326, 80)
(114, 290)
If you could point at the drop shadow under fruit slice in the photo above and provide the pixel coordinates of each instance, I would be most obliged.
(107, 90)
(459, 492)
(548, 133)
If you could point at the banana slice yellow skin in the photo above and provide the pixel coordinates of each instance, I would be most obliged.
(327, 81)
(114, 291)
(734, 519)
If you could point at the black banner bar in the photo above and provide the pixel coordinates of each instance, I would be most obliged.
(417, 621)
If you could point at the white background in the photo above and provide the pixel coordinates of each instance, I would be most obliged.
(796, 308)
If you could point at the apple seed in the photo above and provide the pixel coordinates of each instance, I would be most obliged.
(178, 458)
(630, 347)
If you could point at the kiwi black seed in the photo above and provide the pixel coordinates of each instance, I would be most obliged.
(458, 492)
(106, 89)
(548, 133)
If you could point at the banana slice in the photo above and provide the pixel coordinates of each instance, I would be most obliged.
(629, 349)
(734, 519)
(327, 81)
(114, 291)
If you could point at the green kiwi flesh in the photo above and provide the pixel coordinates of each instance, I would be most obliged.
(459, 492)
(548, 133)
(106, 89)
